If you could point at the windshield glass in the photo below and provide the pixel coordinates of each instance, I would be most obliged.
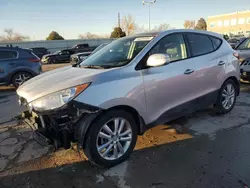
(117, 53)
(57, 52)
(98, 48)
(245, 45)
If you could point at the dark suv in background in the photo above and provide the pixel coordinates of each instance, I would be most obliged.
(40, 51)
(17, 65)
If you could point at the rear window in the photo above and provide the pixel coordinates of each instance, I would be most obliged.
(200, 44)
(5, 54)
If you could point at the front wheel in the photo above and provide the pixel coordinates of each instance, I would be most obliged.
(226, 97)
(111, 138)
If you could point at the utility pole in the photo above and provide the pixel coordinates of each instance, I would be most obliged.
(149, 3)
(119, 20)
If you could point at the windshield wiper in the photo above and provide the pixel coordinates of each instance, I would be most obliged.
(93, 66)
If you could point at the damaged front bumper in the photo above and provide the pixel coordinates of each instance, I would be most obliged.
(63, 126)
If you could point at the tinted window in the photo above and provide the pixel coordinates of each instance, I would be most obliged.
(8, 54)
(216, 42)
(200, 44)
(245, 45)
(172, 45)
(64, 53)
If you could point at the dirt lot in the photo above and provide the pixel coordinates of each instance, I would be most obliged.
(53, 66)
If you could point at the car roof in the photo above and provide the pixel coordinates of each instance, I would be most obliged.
(154, 34)
(9, 48)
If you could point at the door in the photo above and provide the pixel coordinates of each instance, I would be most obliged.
(244, 54)
(64, 56)
(7, 60)
(168, 88)
(208, 63)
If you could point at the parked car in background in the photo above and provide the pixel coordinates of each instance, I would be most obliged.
(243, 49)
(233, 42)
(131, 85)
(82, 48)
(79, 57)
(17, 65)
(40, 51)
(57, 57)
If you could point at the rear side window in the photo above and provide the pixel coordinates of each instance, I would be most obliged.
(199, 44)
(216, 42)
(5, 54)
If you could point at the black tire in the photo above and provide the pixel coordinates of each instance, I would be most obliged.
(219, 108)
(51, 61)
(14, 78)
(90, 147)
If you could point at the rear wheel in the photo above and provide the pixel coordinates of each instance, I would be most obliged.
(111, 138)
(226, 97)
(19, 78)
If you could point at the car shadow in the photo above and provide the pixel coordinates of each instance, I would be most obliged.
(196, 161)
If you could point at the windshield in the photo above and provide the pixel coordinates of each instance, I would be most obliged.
(57, 52)
(117, 53)
(245, 45)
(98, 48)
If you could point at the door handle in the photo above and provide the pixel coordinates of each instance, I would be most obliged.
(221, 63)
(189, 71)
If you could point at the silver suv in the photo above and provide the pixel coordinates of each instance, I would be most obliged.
(129, 86)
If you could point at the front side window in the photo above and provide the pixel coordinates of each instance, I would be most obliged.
(117, 53)
(200, 44)
(173, 45)
(8, 55)
(245, 45)
(64, 53)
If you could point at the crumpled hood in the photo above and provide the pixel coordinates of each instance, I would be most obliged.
(56, 80)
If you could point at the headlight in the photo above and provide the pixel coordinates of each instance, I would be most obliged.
(57, 99)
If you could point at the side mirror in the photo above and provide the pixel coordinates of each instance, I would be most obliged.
(156, 60)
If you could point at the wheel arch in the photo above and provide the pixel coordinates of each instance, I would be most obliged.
(11, 76)
(236, 81)
(83, 125)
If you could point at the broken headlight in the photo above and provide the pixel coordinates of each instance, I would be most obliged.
(57, 99)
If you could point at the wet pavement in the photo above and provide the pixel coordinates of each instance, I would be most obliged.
(201, 150)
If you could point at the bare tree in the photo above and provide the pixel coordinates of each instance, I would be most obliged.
(10, 35)
(189, 24)
(128, 24)
(162, 27)
(89, 35)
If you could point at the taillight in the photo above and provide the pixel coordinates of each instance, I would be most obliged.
(34, 60)
(236, 55)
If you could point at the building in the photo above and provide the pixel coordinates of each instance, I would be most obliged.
(237, 23)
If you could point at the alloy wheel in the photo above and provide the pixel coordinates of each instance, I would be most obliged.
(114, 139)
(21, 78)
(228, 96)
